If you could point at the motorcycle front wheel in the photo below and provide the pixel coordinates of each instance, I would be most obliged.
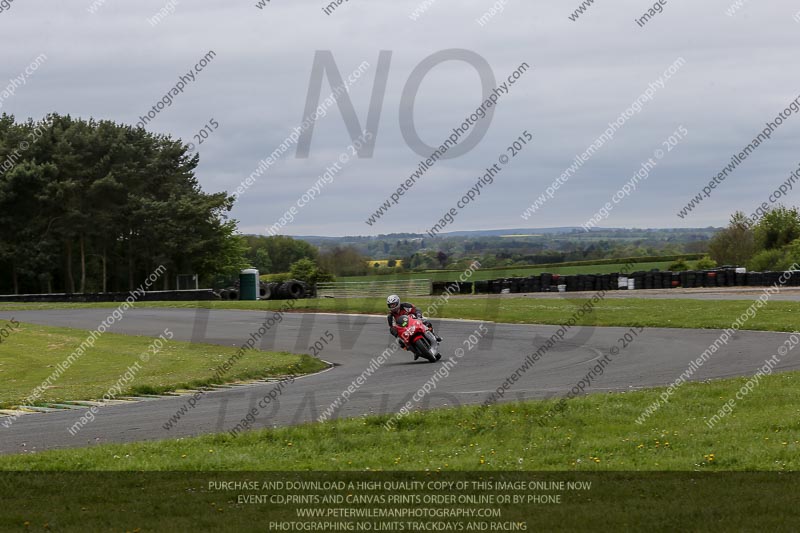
(424, 349)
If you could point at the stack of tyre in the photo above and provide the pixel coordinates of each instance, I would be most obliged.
(288, 290)
(231, 293)
(451, 287)
(726, 276)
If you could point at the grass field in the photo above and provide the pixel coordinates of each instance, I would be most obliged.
(677, 313)
(512, 272)
(31, 353)
(593, 433)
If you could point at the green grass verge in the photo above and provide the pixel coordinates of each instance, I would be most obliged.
(31, 353)
(677, 313)
(593, 433)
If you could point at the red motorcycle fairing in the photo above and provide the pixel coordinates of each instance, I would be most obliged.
(410, 329)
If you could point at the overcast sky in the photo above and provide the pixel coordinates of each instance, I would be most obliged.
(740, 71)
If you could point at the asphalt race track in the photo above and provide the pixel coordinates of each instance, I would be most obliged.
(656, 357)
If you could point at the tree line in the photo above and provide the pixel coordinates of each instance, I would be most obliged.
(89, 206)
(277, 255)
(771, 242)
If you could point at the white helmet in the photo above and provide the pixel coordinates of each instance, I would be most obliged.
(392, 302)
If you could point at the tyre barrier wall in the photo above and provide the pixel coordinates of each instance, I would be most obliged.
(545, 282)
(453, 287)
(289, 290)
(150, 296)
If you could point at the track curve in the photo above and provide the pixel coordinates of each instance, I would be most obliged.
(657, 357)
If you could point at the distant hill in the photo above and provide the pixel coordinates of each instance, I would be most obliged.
(515, 246)
(574, 231)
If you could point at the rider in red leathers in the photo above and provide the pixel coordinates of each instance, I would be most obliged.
(398, 308)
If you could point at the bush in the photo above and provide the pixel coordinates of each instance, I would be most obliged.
(781, 259)
(279, 277)
(706, 263)
(678, 266)
(792, 256)
(387, 271)
(308, 271)
(736, 244)
(344, 261)
(778, 228)
(768, 260)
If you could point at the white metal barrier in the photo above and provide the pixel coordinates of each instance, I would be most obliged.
(353, 289)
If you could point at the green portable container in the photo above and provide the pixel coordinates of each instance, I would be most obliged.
(248, 284)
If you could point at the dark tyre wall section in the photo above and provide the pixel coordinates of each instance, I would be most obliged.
(545, 282)
(154, 296)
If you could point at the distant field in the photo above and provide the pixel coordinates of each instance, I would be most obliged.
(513, 272)
(383, 262)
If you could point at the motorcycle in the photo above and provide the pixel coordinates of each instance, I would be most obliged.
(417, 337)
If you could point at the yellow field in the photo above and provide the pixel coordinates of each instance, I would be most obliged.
(383, 262)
